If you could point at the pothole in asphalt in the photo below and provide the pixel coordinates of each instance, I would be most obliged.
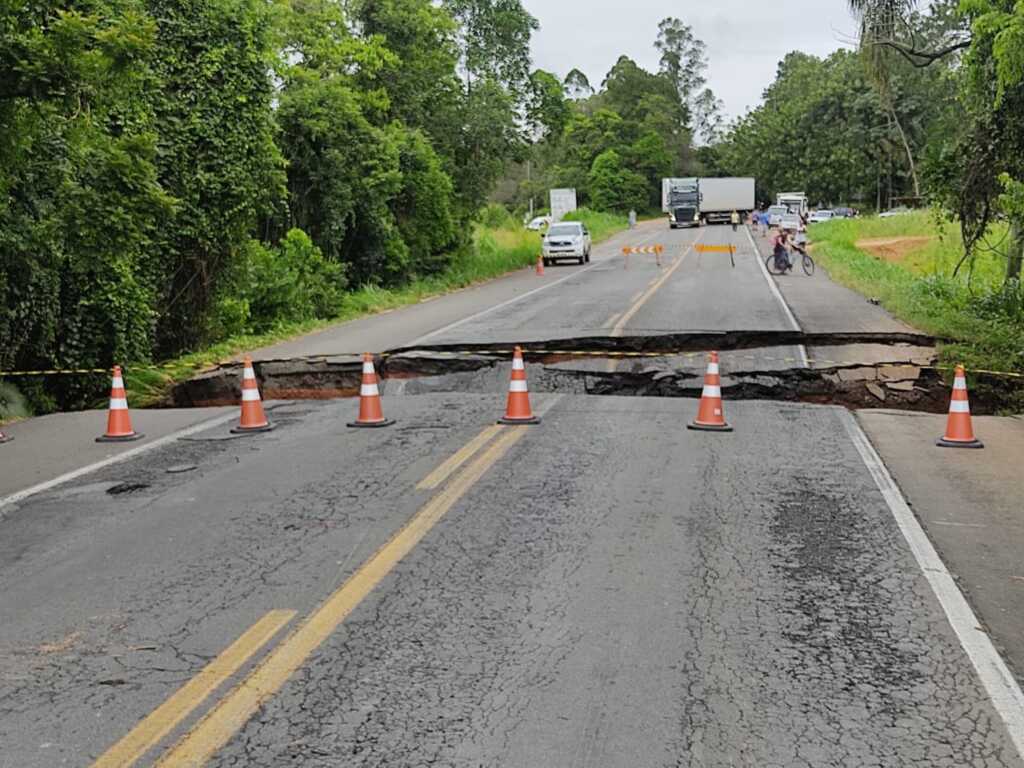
(899, 375)
(123, 488)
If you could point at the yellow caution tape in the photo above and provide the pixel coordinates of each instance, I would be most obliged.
(536, 351)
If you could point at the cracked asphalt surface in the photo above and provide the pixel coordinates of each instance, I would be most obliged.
(614, 591)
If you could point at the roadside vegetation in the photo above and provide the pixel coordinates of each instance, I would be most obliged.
(914, 266)
(177, 179)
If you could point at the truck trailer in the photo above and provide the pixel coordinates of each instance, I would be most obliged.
(720, 197)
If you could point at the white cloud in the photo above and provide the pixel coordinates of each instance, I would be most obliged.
(745, 40)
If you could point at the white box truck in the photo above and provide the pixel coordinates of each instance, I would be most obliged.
(795, 201)
(720, 197)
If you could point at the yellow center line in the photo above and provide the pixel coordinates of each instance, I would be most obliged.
(612, 319)
(232, 713)
(621, 325)
(183, 702)
(464, 454)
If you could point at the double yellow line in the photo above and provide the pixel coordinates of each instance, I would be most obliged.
(215, 729)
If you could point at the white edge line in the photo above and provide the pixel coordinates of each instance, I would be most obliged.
(778, 296)
(995, 676)
(502, 305)
(46, 485)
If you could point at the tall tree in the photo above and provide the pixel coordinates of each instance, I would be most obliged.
(216, 151)
(494, 41)
(577, 86)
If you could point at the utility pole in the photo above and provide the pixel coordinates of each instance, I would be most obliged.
(529, 185)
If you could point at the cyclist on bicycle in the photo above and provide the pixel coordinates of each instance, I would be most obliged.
(780, 247)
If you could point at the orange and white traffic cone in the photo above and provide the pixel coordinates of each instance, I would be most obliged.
(711, 416)
(518, 410)
(540, 266)
(371, 414)
(253, 418)
(959, 431)
(119, 422)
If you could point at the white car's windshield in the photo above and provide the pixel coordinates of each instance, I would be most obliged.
(564, 230)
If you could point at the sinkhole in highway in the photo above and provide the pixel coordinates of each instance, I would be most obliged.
(854, 370)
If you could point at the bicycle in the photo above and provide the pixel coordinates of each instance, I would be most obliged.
(780, 267)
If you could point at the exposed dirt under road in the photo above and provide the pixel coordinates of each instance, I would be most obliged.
(653, 366)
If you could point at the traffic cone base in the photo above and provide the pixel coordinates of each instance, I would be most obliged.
(371, 424)
(944, 443)
(959, 430)
(120, 438)
(119, 422)
(240, 430)
(709, 427)
(529, 420)
(371, 413)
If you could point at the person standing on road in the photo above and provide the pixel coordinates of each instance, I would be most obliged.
(735, 218)
(765, 223)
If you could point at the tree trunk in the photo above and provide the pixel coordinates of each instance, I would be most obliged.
(910, 154)
(1015, 251)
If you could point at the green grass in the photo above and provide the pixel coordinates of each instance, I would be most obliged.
(601, 225)
(985, 322)
(496, 251)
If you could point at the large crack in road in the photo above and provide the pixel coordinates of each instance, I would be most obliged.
(657, 365)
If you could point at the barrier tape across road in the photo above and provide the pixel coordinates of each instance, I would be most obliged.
(527, 351)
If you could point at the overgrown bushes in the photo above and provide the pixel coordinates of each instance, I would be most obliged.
(291, 282)
(978, 310)
(160, 161)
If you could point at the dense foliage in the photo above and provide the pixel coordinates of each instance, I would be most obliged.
(174, 171)
(614, 144)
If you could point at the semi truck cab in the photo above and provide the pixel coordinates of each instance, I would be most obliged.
(684, 205)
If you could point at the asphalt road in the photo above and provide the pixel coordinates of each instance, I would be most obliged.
(604, 589)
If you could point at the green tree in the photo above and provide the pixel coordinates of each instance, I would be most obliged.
(614, 187)
(215, 149)
(547, 110)
(80, 205)
(494, 41)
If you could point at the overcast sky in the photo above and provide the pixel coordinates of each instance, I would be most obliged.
(745, 40)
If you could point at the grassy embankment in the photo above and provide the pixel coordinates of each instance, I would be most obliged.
(497, 250)
(907, 263)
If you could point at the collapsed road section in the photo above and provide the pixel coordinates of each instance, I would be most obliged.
(662, 365)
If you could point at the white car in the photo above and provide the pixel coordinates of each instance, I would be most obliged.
(539, 223)
(894, 212)
(819, 216)
(775, 214)
(789, 222)
(566, 240)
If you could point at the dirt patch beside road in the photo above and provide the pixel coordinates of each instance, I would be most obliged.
(894, 249)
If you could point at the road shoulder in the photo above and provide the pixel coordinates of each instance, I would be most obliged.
(969, 503)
